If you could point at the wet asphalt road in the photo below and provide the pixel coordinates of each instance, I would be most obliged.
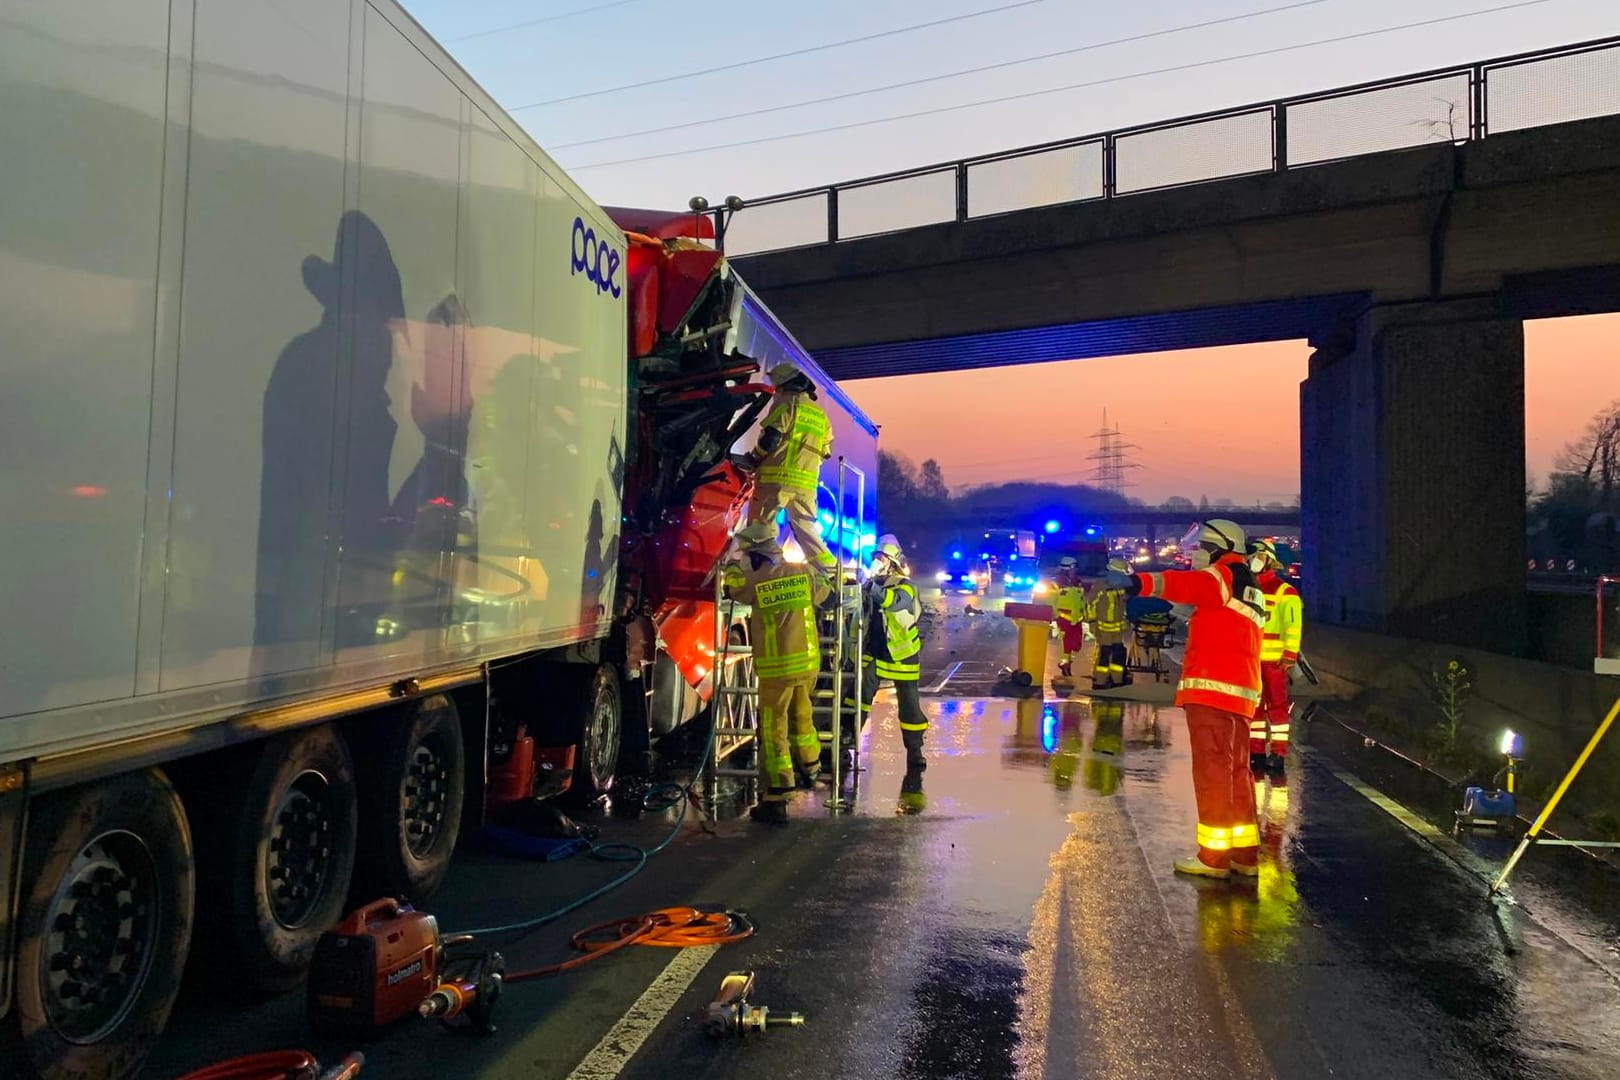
(1027, 924)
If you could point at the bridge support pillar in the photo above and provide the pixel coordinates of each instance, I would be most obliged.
(1412, 475)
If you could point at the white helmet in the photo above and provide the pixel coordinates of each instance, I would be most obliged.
(890, 552)
(784, 373)
(1209, 538)
(1266, 551)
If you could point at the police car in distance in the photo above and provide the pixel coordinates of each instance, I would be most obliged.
(964, 571)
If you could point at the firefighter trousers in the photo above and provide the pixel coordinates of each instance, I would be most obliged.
(913, 721)
(1227, 829)
(801, 521)
(1108, 669)
(1269, 731)
(787, 733)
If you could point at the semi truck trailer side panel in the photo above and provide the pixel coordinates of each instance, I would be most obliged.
(385, 432)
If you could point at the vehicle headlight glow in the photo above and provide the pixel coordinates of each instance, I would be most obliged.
(942, 576)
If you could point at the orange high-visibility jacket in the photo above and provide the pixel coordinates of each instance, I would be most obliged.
(1279, 641)
(1222, 664)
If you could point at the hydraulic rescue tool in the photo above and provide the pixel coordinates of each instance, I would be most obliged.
(730, 1013)
(385, 962)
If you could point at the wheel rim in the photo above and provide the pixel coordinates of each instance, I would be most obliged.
(423, 794)
(602, 745)
(300, 859)
(102, 921)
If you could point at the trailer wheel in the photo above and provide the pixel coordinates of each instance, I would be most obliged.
(291, 854)
(105, 923)
(412, 796)
(597, 730)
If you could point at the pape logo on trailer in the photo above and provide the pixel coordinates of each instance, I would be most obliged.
(595, 258)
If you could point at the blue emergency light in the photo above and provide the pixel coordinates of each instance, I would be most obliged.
(1052, 526)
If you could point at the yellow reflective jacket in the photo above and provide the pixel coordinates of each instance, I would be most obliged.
(782, 624)
(1070, 604)
(892, 640)
(1285, 621)
(804, 441)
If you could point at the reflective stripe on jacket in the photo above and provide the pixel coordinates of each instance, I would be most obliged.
(1285, 620)
(1106, 608)
(892, 639)
(782, 624)
(1070, 604)
(795, 464)
(1221, 668)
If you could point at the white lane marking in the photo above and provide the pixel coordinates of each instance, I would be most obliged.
(609, 1057)
(1452, 849)
(936, 687)
(1383, 802)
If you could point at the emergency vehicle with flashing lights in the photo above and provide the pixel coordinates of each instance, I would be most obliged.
(965, 571)
(364, 478)
(1088, 545)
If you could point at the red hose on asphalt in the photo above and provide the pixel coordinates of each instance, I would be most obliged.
(274, 1065)
(278, 1065)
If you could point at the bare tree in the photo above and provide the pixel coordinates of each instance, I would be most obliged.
(1595, 457)
(931, 481)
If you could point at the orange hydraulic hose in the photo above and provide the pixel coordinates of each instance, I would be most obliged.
(670, 928)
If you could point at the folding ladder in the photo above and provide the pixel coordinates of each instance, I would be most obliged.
(735, 687)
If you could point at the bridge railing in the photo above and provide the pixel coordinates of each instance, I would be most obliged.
(1447, 105)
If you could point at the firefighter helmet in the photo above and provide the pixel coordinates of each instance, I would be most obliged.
(1067, 563)
(785, 373)
(1266, 550)
(1216, 534)
(1119, 565)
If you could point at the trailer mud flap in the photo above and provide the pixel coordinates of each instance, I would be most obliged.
(13, 823)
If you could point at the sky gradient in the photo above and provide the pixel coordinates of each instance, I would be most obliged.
(548, 61)
(1177, 409)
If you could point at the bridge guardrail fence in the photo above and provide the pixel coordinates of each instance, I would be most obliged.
(1455, 104)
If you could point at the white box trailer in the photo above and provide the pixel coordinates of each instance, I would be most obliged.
(274, 293)
(316, 410)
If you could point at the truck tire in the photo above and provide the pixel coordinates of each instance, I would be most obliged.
(104, 926)
(599, 719)
(291, 854)
(412, 792)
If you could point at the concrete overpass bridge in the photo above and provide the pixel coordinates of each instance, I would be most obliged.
(1406, 228)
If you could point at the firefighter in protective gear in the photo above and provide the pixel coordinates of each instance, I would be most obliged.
(1219, 689)
(1069, 610)
(1269, 731)
(795, 438)
(891, 611)
(787, 656)
(1105, 610)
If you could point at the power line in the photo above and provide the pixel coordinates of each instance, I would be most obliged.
(784, 55)
(957, 74)
(1028, 94)
(536, 22)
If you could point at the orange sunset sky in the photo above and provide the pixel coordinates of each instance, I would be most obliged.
(1034, 422)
